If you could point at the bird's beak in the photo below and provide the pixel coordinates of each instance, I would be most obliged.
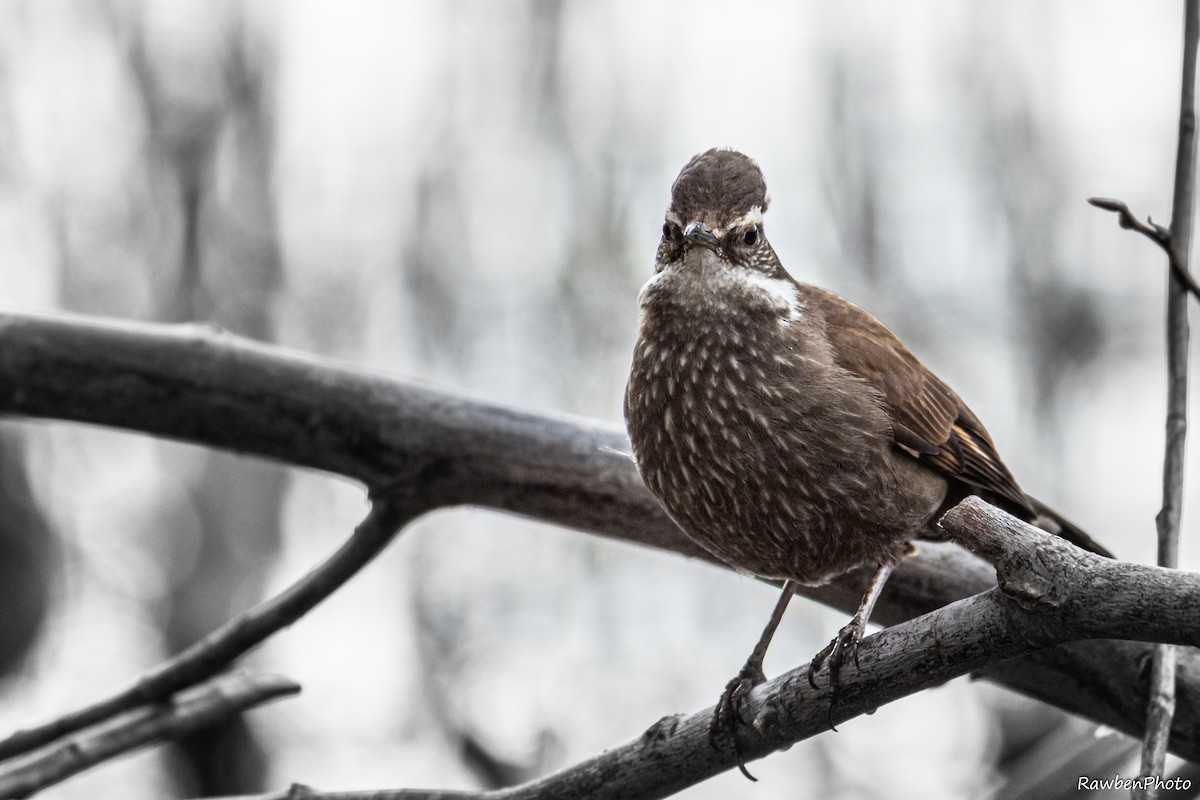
(698, 233)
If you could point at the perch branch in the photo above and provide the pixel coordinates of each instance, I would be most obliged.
(1049, 591)
(214, 389)
(192, 710)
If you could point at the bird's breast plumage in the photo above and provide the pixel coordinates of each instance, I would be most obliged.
(746, 431)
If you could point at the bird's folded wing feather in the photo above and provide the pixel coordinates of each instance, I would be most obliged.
(929, 420)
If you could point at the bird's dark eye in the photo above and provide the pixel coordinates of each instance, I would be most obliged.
(671, 232)
(750, 237)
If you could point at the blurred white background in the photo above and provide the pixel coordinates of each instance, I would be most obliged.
(470, 193)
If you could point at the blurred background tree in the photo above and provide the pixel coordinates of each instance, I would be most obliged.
(470, 193)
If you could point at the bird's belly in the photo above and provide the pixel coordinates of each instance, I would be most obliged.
(774, 514)
(773, 482)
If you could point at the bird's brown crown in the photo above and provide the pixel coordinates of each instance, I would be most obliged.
(718, 187)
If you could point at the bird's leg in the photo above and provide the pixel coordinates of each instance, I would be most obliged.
(727, 715)
(848, 638)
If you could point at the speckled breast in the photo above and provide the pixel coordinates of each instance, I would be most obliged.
(736, 432)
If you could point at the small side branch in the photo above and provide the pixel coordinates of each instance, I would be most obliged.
(1156, 233)
(192, 710)
(221, 647)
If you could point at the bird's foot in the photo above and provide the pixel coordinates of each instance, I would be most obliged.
(844, 644)
(722, 730)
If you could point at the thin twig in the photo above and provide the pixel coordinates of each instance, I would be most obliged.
(1160, 704)
(221, 647)
(1154, 232)
(198, 707)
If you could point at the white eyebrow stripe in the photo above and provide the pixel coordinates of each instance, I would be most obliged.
(673, 218)
(752, 217)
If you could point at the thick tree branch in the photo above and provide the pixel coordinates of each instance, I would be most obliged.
(1049, 591)
(197, 384)
(214, 389)
(200, 706)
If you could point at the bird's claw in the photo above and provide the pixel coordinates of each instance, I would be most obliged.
(722, 730)
(845, 643)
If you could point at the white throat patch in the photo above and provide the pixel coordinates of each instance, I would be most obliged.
(715, 293)
(782, 293)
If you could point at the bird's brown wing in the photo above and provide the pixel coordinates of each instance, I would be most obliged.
(929, 420)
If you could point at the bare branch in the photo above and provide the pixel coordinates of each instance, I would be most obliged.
(217, 390)
(217, 650)
(1161, 696)
(1154, 232)
(196, 708)
(1049, 591)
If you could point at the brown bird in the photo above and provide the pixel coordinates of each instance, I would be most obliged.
(786, 430)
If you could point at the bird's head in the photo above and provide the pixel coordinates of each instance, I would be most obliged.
(714, 252)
